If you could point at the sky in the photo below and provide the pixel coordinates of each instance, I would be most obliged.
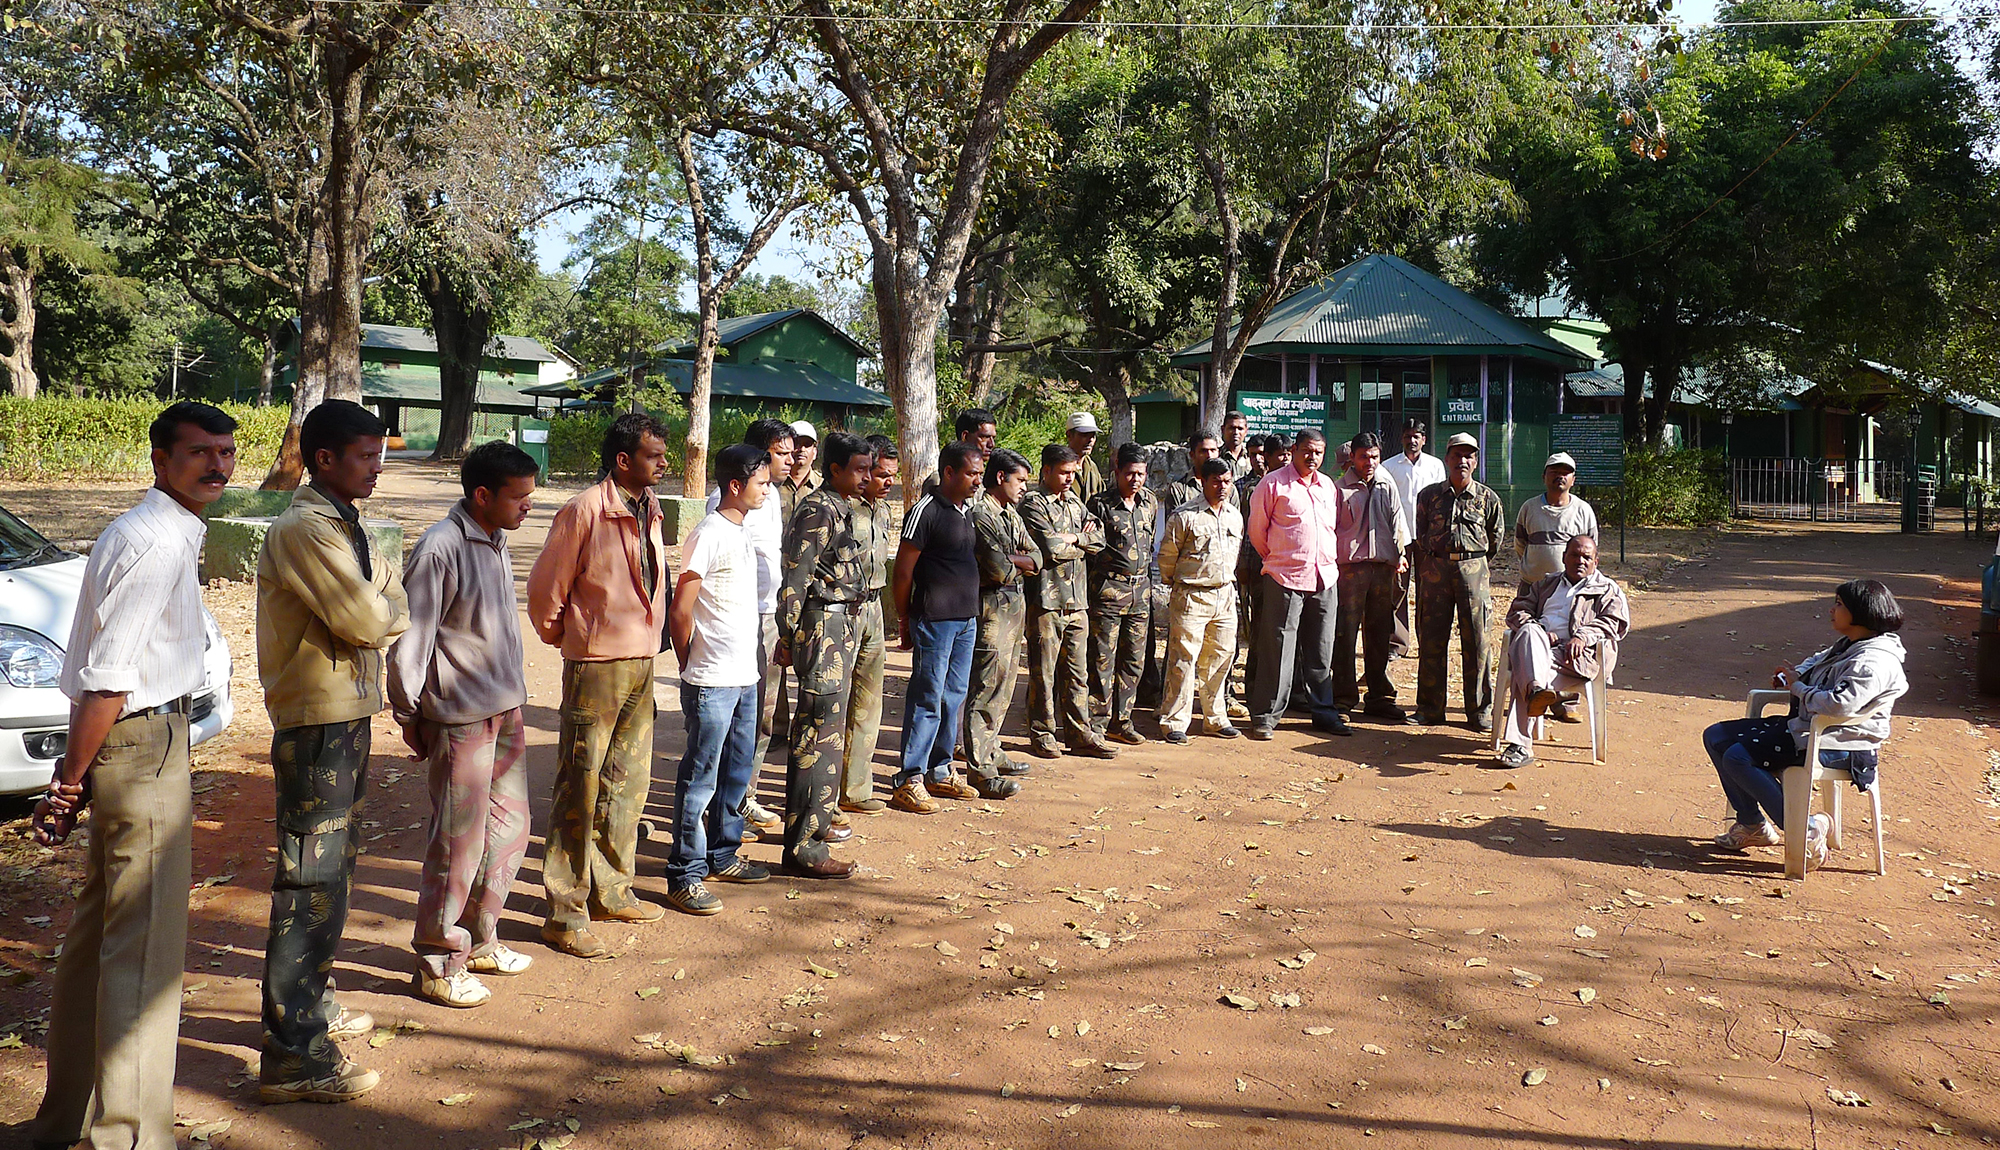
(800, 260)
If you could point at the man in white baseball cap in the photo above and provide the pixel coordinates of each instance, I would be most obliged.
(1081, 434)
(1547, 522)
(805, 478)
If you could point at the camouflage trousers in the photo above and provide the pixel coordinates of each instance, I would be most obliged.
(1058, 690)
(1118, 656)
(479, 833)
(823, 661)
(864, 704)
(321, 774)
(604, 769)
(115, 1018)
(1367, 611)
(996, 662)
(1445, 591)
(1201, 644)
(770, 691)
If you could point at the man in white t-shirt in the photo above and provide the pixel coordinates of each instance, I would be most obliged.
(1413, 470)
(767, 533)
(713, 625)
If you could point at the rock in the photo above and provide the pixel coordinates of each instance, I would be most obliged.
(230, 551)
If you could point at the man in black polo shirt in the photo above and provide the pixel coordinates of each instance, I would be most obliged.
(936, 585)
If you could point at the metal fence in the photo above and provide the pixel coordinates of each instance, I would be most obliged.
(1823, 490)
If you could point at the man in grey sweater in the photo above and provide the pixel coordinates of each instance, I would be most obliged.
(456, 687)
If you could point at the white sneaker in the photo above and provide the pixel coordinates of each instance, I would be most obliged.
(1816, 832)
(502, 959)
(460, 989)
(1742, 835)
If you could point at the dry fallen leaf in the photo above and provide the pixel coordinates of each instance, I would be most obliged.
(1126, 1066)
(455, 1100)
(947, 949)
(1846, 1098)
(1371, 1048)
(1070, 1111)
(1318, 1031)
(647, 992)
(1586, 995)
(1535, 1077)
(1475, 962)
(1239, 1001)
(208, 1130)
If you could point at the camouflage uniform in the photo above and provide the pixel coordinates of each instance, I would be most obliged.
(817, 606)
(1057, 627)
(791, 494)
(998, 535)
(1121, 597)
(774, 718)
(877, 537)
(1458, 533)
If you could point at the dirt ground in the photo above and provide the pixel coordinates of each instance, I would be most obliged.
(1419, 936)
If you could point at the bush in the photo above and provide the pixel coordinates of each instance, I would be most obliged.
(1672, 487)
(63, 437)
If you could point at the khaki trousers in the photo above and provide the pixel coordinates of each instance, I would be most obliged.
(117, 1010)
(864, 705)
(604, 769)
(1201, 646)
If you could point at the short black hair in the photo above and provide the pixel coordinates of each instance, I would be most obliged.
(491, 465)
(1057, 454)
(1416, 425)
(1212, 467)
(737, 463)
(166, 426)
(332, 426)
(1309, 434)
(1201, 437)
(1364, 441)
(1235, 415)
(624, 435)
(840, 448)
(1002, 464)
(1871, 604)
(971, 420)
(884, 447)
(767, 433)
(1255, 443)
(1277, 440)
(1128, 454)
(957, 454)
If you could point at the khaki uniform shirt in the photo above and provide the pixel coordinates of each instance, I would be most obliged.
(877, 537)
(790, 494)
(1201, 545)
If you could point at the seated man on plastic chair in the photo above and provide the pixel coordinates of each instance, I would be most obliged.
(1560, 630)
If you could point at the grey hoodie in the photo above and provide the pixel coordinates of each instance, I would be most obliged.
(1850, 678)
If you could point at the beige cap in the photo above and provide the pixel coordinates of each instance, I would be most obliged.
(1460, 440)
(804, 430)
(1083, 421)
(1560, 459)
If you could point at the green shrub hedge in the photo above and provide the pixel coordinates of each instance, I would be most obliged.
(1673, 487)
(60, 437)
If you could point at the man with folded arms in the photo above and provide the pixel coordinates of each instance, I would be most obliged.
(1006, 556)
(1064, 534)
(599, 592)
(713, 627)
(134, 657)
(328, 607)
(1370, 534)
(456, 687)
(1198, 560)
(1561, 629)
(817, 601)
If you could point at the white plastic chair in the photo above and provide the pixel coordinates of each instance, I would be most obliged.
(1801, 781)
(1596, 702)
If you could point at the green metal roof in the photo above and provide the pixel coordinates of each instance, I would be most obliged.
(761, 379)
(1380, 305)
(738, 328)
(418, 387)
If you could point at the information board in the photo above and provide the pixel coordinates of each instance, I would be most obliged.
(1597, 442)
(1270, 411)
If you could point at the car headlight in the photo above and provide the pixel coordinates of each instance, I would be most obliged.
(28, 659)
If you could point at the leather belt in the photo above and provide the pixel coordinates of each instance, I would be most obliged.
(1461, 556)
(826, 608)
(178, 706)
(1001, 589)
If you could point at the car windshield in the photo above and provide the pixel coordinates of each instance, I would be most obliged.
(23, 546)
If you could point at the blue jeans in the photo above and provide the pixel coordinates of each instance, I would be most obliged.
(1749, 753)
(715, 773)
(940, 672)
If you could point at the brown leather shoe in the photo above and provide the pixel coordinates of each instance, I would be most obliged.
(1092, 747)
(1540, 701)
(911, 797)
(950, 787)
(639, 911)
(835, 833)
(1125, 733)
(831, 868)
(579, 942)
(1043, 747)
(867, 806)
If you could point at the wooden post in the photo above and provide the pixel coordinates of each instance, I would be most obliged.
(1312, 373)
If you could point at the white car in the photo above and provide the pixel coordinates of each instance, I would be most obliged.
(39, 583)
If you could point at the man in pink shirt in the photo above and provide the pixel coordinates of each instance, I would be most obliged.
(1292, 517)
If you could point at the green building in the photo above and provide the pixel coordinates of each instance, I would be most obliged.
(779, 359)
(1381, 340)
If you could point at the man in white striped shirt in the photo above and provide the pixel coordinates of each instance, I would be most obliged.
(134, 658)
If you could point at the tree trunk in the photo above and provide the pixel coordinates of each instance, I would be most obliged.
(1113, 381)
(1665, 380)
(1633, 411)
(986, 333)
(19, 333)
(1223, 358)
(462, 330)
(909, 362)
(269, 371)
(708, 304)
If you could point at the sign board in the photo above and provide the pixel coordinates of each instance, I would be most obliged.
(1461, 409)
(1597, 442)
(1270, 411)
